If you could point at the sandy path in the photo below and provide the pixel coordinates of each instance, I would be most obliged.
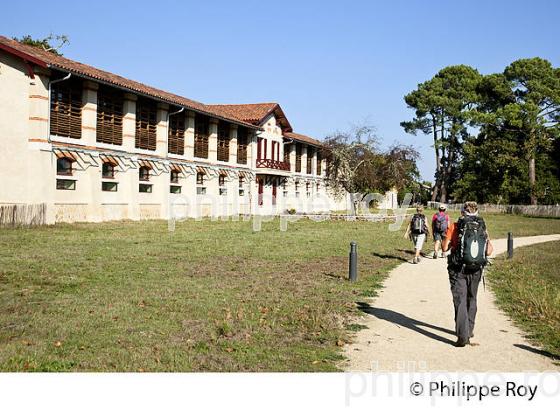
(411, 327)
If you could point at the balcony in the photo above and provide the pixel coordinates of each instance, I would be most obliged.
(273, 164)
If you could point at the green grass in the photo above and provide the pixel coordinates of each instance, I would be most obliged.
(527, 287)
(212, 296)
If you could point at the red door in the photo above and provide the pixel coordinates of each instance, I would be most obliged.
(261, 190)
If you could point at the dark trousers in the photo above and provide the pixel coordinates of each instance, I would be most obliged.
(464, 287)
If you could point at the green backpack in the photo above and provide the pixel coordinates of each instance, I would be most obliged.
(473, 240)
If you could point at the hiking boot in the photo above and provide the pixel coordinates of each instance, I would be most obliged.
(415, 260)
(435, 255)
(462, 342)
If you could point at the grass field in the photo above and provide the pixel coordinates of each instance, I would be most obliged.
(212, 296)
(527, 287)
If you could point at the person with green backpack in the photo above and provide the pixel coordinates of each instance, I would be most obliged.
(417, 231)
(470, 246)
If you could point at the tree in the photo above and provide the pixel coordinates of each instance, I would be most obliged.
(442, 107)
(46, 43)
(356, 166)
(535, 111)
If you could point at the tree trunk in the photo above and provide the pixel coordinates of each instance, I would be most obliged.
(435, 192)
(443, 192)
(532, 179)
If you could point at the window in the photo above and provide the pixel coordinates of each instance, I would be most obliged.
(201, 189)
(174, 179)
(285, 189)
(309, 169)
(108, 170)
(145, 188)
(144, 174)
(307, 190)
(298, 157)
(176, 137)
(66, 109)
(66, 184)
(223, 141)
(200, 178)
(146, 124)
(241, 186)
(242, 144)
(201, 128)
(319, 162)
(109, 116)
(64, 166)
(296, 185)
(261, 148)
(109, 186)
(222, 184)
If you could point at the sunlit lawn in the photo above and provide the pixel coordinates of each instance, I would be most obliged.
(212, 296)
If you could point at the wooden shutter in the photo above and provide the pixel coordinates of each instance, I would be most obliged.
(201, 126)
(319, 160)
(109, 116)
(146, 124)
(309, 159)
(287, 149)
(176, 138)
(66, 109)
(242, 143)
(223, 141)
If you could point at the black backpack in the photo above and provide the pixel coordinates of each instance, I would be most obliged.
(473, 240)
(418, 224)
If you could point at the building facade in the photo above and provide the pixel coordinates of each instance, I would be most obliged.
(94, 146)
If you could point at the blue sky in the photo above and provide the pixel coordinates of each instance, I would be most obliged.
(330, 64)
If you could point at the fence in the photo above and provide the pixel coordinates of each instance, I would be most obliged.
(23, 215)
(529, 210)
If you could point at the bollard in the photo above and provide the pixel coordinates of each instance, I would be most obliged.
(353, 262)
(510, 245)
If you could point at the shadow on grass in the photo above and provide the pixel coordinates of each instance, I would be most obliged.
(405, 321)
(539, 351)
(386, 256)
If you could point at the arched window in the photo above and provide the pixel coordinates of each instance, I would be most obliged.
(64, 166)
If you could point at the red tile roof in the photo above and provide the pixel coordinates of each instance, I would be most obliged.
(253, 113)
(44, 58)
(302, 138)
(257, 113)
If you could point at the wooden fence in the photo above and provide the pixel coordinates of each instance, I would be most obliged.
(23, 215)
(529, 210)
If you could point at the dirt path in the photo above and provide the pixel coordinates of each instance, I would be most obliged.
(410, 326)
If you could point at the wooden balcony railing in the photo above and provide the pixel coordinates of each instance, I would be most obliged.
(273, 164)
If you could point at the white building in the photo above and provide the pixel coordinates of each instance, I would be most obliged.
(95, 146)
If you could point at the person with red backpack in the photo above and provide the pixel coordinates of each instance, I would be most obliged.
(440, 222)
(417, 231)
(470, 246)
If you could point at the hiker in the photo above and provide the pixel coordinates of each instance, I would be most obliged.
(417, 231)
(440, 222)
(470, 246)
